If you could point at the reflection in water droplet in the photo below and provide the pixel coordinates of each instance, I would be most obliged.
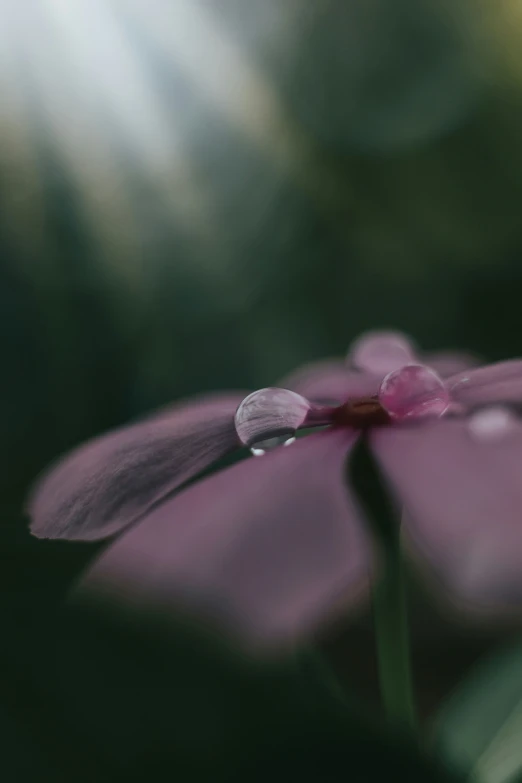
(413, 392)
(263, 446)
(269, 418)
(381, 352)
(492, 423)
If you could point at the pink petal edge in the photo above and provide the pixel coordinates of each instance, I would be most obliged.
(330, 381)
(494, 383)
(106, 484)
(270, 548)
(462, 503)
(448, 363)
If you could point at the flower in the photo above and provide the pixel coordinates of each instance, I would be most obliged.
(275, 545)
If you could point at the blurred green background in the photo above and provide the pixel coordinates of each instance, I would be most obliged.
(203, 194)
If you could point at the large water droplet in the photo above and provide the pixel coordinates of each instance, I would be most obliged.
(492, 423)
(381, 352)
(413, 392)
(269, 418)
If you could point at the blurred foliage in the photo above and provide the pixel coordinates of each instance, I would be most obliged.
(478, 731)
(94, 698)
(202, 195)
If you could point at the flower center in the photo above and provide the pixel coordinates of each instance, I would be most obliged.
(271, 417)
(406, 394)
(361, 413)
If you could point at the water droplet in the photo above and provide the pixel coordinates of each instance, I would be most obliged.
(413, 392)
(492, 423)
(269, 418)
(381, 352)
(262, 446)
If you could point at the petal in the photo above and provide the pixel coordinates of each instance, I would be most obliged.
(108, 483)
(269, 547)
(380, 352)
(447, 363)
(462, 498)
(330, 381)
(500, 382)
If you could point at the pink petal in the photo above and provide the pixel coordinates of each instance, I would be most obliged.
(447, 363)
(330, 381)
(380, 352)
(462, 495)
(500, 382)
(108, 483)
(271, 546)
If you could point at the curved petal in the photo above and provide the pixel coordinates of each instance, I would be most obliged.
(500, 382)
(381, 351)
(330, 381)
(108, 483)
(268, 547)
(462, 497)
(448, 363)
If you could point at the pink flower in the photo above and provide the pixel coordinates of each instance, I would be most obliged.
(275, 545)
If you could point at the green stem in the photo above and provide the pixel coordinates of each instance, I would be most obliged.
(392, 640)
(389, 600)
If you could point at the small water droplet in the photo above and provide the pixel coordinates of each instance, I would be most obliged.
(492, 423)
(413, 392)
(381, 352)
(269, 418)
(263, 446)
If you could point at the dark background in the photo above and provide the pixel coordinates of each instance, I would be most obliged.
(202, 195)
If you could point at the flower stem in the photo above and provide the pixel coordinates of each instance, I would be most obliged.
(389, 599)
(392, 640)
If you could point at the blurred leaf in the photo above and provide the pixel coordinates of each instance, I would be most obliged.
(122, 701)
(129, 700)
(480, 728)
(338, 751)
